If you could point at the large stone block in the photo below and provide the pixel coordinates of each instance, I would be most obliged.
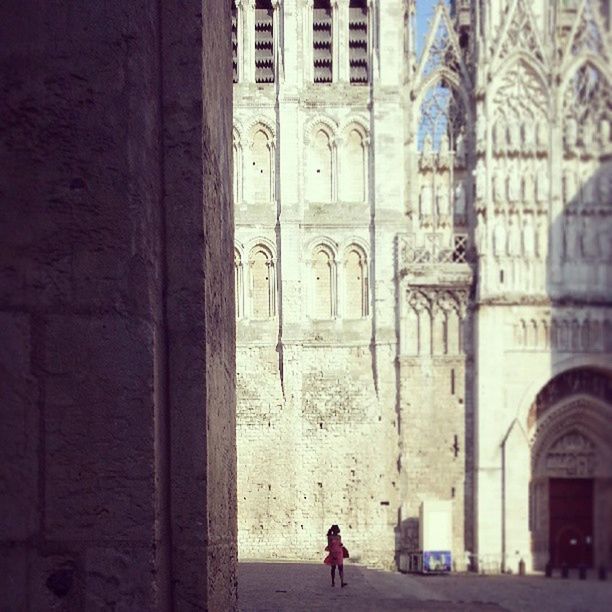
(19, 445)
(99, 419)
(120, 578)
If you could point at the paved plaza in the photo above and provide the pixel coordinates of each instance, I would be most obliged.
(272, 587)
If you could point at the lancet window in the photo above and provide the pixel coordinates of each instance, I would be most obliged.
(356, 284)
(588, 111)
(262, 164)
(442, 127)
(443, 183)
(354, 166)
(320, 180)
(433, 323)
(262, 285)
(323, 283)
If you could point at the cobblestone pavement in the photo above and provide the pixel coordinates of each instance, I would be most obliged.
(272, 587)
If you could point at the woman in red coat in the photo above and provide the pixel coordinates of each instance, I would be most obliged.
(336, 554)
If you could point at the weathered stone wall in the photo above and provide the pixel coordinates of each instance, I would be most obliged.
(486, 230)
(116, 364)
(435, 442)
(319, 457)
(317, 397)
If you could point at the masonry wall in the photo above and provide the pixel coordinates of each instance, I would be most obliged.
(318, 406)
(320, 457)
(487, 192)
(117, 323)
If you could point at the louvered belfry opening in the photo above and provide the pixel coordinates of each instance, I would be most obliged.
(234, 42)
(322, 41)
(264, 42)
(358, 41)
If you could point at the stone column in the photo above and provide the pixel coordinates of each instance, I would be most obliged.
(341, 15)
(248, 53)
(335, 9)
(116, 307)
(307, 53)
(241, 24)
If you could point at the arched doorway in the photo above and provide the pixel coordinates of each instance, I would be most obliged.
(570, 510)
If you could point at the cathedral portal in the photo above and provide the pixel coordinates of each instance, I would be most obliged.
(571, 485)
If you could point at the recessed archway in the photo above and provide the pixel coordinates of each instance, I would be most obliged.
(570, 503)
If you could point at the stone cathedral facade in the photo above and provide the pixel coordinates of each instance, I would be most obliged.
(423, 278)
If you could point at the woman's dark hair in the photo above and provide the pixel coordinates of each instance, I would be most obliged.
(333, 530)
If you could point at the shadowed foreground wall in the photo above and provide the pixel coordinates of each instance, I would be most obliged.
(117, 437)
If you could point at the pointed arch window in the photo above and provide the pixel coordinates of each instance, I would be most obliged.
(587, 111)
(263, 283)
(354, 165)
(419, 315)
(321, 170)
(442, 132)
(323, 283)
(262, 179)
(442, 120)
(356, 294)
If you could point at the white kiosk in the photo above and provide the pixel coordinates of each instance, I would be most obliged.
(435, 538)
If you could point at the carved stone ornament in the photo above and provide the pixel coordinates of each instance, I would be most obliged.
(418, 301)
(571, 455)
(571, 383)
(437, 299)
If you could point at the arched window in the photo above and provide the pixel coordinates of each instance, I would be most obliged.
(356, 284)
(442, 120)
(417, 337)
(237, 168)
(261, 167)
(263, 292)
(238, 285)
(320, 176)
(442, 130)
(586, 111)
(354, 167)
(324, 284)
